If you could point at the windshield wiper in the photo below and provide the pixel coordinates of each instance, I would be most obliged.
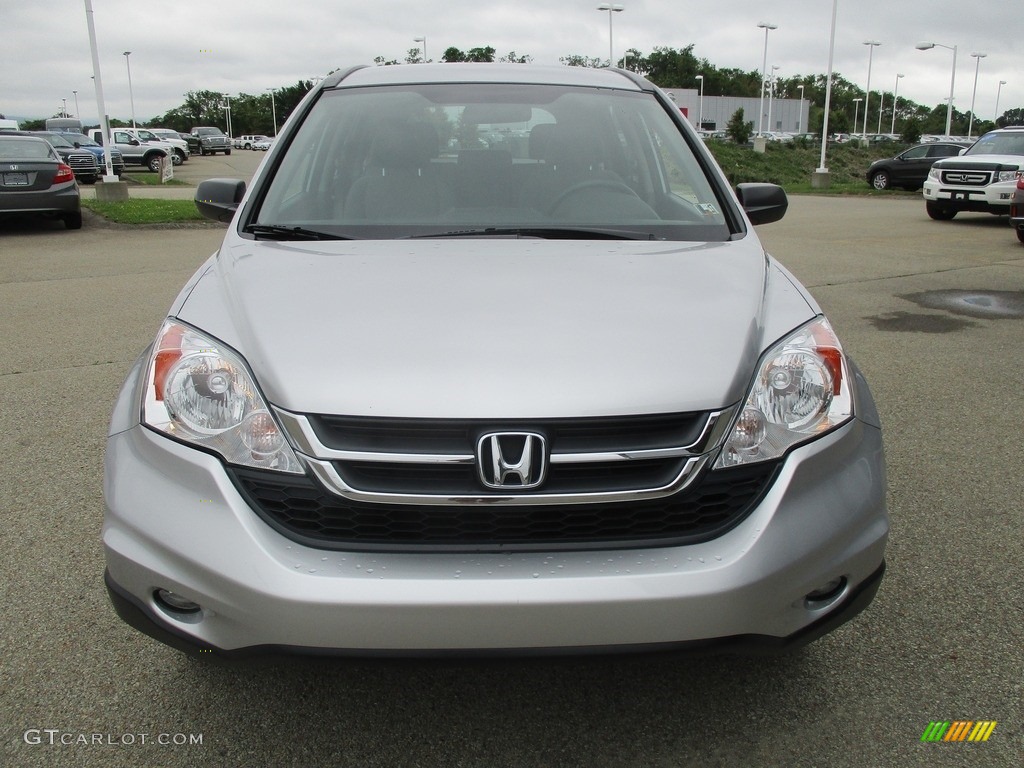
(279, 232)
(545, 233)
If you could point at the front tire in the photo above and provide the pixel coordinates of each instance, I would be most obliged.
(178, 157)
(939, 213)
(881, 180)
(227, 151)
(153, 163)
(1020, 234)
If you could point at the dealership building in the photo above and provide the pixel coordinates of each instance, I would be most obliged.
(787, 115)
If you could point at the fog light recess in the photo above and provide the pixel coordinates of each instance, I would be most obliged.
(826, 593)
(174, 602)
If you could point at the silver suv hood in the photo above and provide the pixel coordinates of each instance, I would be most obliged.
(496, 328)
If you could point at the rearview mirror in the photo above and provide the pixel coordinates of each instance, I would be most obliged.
(764, 203)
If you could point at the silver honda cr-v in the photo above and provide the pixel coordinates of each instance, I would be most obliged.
(491, 360)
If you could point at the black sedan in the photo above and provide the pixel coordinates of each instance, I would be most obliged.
(910, 168)
(34, 181)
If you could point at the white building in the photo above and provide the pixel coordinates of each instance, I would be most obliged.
(787, 115)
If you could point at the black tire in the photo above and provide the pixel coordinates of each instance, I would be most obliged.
(202, 151)
(227, 151)
(1020, 234)
(73, 220)
(939, 213)
(881, 180)
(153, 162)
(88, 180)
(179, 157)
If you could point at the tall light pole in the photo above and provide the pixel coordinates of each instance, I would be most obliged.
(77, 113)
(925, 46)
(998, 91)
(273, 108)
(227, 113)
(424, 41)
(64, 111)
(700, 111)
(800, 114)
(856, 110)
(871, 44)
(977, 65)
(131, 96)
(764, 70)
(821, 177)
(109, 177)
(611, 8)
(895, 99)
(771, 95)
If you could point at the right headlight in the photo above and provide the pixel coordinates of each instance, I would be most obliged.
(801, 390)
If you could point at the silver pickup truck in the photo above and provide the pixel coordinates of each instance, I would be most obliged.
(135, 152)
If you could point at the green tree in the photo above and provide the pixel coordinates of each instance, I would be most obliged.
(911, 132)
(738, 128)
(576, 60)
(1011, 117)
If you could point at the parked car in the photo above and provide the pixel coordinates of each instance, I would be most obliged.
(182, 151)
(449, 399)
(82, 162)
(910, 168)
(212, 140)
(1017, 210)
(84, 142)
(982, 179)
(34, 181)
(135, 151)
(263, 144)
(192, 141)
(247, 141)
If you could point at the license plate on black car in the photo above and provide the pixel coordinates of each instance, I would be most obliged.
(15, 179)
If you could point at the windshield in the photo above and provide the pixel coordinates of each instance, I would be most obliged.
(999, 144)
(459, 159)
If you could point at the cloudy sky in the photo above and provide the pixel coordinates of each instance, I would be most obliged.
(247, 46)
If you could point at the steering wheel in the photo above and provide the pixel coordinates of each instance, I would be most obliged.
(610, 184)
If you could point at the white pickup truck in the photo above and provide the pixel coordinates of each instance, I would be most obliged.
(982, 179)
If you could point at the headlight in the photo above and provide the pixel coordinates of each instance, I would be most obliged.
(933, 173)
(202, 393)
(802, 390)
(1009, 175)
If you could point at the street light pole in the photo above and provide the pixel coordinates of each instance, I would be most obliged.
(800, 113)
(611, 8)
(131, 96)
(424, 41)
(977, 65)
(820, 177)
(700, 112)
(77, 113)
(856, 110)
(764, 71)
(273, 109)
(871, 44)
(771, 96)
(925, 46)
(998, 91)
(895, 100)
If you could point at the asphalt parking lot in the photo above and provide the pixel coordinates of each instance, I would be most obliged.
(934, 315)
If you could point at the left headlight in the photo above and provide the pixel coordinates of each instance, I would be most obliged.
(801, 390)
(202, 393)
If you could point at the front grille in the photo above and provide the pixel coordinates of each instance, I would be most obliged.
(956, 178)
(302, 510)
(82, 163)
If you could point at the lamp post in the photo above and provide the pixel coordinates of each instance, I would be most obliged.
(977, 65)
(131, 96)
(611, 8)
(895, 98)
(998, 91)
(77, 113)
(800, 113)
(227, 113)
(700, 111)
(273, 109)
(424, 41)
(64, 110)
(764, 70)
(925, 46)
(871, 44)
(771, 96)
(856, 111)
(820, 178)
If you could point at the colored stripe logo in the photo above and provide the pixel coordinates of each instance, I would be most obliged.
(959, 730)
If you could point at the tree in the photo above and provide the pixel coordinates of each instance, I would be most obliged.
(738, 128)
(1011, 117)
(576, 60)
(911, 132)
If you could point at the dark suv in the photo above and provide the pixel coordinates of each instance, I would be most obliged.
(910, 168)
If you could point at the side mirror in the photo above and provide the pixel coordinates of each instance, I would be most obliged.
(218, 199)
(135, 142)
(764, 203)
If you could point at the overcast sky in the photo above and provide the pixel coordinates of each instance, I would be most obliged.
(247, 46)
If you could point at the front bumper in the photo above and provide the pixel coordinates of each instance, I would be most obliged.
(994, 198)
(176, 522)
